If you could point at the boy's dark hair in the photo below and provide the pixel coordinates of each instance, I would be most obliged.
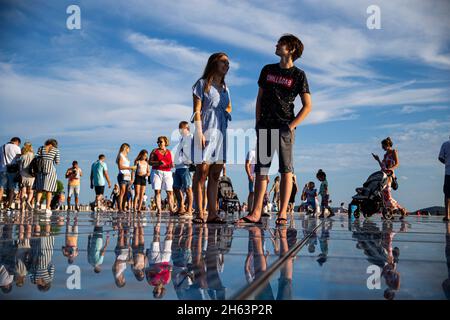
(14, 139)
(292, 43)
(183, 124)
(74, 162)
(100, 157)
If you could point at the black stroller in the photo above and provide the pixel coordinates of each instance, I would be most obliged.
(368, 200)
(228, 199)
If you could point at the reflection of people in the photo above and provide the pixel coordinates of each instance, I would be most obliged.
(323, 241)
(70, 250)
(96, 250)
(444, 157)
(122, 252)
(446, 283)
(287, 239)
(256, 262)
(7, 249)
(138, 249)
(182, 274)
(159, 268)
(42, 269)
(377, 246)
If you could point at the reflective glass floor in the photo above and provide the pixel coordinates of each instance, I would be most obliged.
(110, 256)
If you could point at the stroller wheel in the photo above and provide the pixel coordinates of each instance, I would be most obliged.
(387, 214)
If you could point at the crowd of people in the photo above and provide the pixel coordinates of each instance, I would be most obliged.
(200, 157)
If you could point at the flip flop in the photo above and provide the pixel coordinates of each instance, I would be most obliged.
(216, 220)
(247, 221)
(278, 222)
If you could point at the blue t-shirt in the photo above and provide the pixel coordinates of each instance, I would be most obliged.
(98, 168)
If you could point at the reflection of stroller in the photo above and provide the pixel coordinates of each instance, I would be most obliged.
(228, 199)
(369, 198)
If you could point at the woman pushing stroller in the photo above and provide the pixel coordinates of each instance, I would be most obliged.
(388, 165)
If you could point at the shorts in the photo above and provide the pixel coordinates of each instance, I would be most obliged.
(121, 181)
(325, 201)
(182, 179)
(270, 141)
(140, 180)
(447, 186)
(7, 181)
(74, 189)
(27, 182)
(162, 180)
(99, 190)
(251, 186)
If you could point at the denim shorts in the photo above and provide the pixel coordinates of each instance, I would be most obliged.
(121, 181)
(182, 179)
(251, 186)
(7, 181)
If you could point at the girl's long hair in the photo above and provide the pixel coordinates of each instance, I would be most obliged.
(141, 156)
(27, 147)
(211, 69)
(122, 147)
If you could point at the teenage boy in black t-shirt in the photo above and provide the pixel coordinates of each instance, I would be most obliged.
(279, 85)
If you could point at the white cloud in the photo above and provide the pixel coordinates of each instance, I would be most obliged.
(415, 109)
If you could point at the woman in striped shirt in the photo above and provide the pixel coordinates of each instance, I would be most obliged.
(46, 176)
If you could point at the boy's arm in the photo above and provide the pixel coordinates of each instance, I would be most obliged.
(304, 111)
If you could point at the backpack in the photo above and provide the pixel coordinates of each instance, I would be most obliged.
(33, 168)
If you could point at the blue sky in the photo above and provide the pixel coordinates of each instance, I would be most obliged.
(126, 76)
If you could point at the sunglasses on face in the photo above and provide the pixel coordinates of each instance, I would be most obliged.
(159, 141)
(226, 62)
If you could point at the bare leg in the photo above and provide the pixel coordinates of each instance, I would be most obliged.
(180, 200)
(38, 198)
(200, 177)
(123, 190)
(190, 200)
(137, 196)
(141, 199)
(158, 201)
(170, 197)
(1, 195)
(285, 194)
(251, 195)
(49, 199)
(213, 182)
(260, 190)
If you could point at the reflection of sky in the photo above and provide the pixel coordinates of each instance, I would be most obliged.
(127, 76)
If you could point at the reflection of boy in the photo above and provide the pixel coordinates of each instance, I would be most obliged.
(96, 250)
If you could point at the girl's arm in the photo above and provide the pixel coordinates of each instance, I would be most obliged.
(151, 160)
(397, 162)
(121, 166)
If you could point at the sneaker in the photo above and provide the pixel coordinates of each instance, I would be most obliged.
(48, 212)
(445, 219)
(77, 209)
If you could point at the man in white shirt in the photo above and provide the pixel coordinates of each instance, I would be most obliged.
(444, 157)
(250, 162)
(9, 154)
